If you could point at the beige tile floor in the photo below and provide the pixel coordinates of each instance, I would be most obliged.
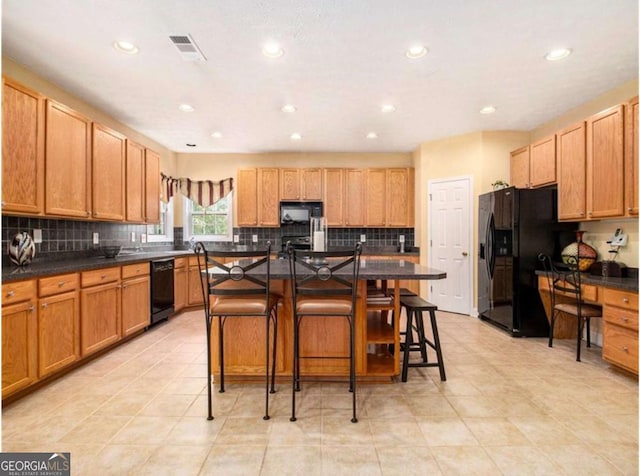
(509, 406)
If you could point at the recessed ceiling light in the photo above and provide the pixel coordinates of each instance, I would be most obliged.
(289, 108)
(217, 135)
(125, 47)
(558, 54)
(296, 136)
(272, 50)
(372, 135)
(387, 108)
(191, 145)
(416, 51)
(488, 110)
(186, 108)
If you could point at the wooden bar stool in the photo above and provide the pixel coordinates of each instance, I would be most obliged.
(415, 306)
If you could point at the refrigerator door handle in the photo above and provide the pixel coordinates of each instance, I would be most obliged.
(491, 262)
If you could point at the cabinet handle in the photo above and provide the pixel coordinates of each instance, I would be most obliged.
(103, 276)
(44, 305)
(581, 214)
(88, 214)
(61, 283)
(625, 300)
(11, 294)
(628, 209)
(32, 308)
(124, 286)
(589, 213)
(3, 204)
(625, 348)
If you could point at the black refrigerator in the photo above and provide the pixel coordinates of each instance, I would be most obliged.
(514, 226)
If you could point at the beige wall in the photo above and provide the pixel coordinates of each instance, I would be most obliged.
(17, 72)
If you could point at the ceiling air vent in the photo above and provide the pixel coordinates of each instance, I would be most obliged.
(187, 48)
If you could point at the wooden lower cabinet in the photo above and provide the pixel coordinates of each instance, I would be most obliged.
(19, 346)
(180, 284)
(620, 341)
(136, 312)
(100, 316)
(58, 332)
(194, 288)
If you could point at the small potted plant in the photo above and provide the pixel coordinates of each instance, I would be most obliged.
(499, 184)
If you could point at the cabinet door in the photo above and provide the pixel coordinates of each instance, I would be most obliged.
(179, 288)
(354, 197)
(520, 168)
(289, 184)
(399, 197)
(247, 197)
(108, 173)
(375, 197)
(334, 206)
(311, 184)
(22, 149)
(135, 181)
(194, 288)
(605, 163)
(19, 347)
(572, 172)
(58, 332)
(543, 162)
(67, 162)
(152, 187)
(268, 198)
(99, 317)
(631, 158)
(136, 314)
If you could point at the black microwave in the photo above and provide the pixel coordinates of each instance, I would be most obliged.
(297, 213)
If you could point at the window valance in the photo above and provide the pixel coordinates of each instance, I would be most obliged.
(204, 192)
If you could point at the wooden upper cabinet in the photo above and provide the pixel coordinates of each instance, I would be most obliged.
(631, 158)
(334, 193)
(151, 186)
(22, 149)
(354, 207)
(311, 184)
(542, 163)
(520, 168)
(375, 194)
(571, 153)
(247, 197)
(135, 182)
(290, 184)
(67, 162)
(268, 198)
(108, 173)
(605, 163)
(400, 206)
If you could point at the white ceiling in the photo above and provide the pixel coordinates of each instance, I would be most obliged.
(343, 59)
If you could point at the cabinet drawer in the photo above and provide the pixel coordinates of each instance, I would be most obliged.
(100, 276)
(193, 261)
(179, 262)
(621, 317)
(58, 284)
(18, 292)
(621, 347)
(133, 270)
(623, 299)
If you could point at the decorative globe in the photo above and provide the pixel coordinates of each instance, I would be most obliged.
(586, 253)
(21, 249)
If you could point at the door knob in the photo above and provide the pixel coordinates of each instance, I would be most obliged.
(464, 253)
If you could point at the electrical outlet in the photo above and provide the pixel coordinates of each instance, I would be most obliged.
(37, 235)
(143, 237)
(363, 238)
(96, 238)
(400, 238)
(133, 236)
(236, 238)
(254, 238)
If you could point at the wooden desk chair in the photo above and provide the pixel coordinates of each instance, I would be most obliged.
(318, 291)
(232, 292)
(564, 280)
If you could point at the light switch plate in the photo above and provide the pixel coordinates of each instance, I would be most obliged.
(236, 238)
(96, 238)
(133, 236)
(363, 238)
(37, 235)
(254, 238)
(143, 237)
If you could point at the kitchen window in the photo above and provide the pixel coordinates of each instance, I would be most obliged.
(162, 231)
(212, 223)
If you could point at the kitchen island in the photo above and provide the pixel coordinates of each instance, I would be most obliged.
(375, 337)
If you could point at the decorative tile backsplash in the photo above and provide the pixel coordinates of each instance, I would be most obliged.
(60, 236)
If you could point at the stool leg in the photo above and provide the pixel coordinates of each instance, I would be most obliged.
(209, 403)
(436, 341)
(422, 338)
(588, 332)
(352, 367)
(580, 327)
(275, 340)
(295, 368)
(266, 378)
(221, 352)
(407, 344)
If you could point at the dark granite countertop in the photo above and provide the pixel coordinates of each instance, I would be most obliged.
(624, 284)
(49, 266)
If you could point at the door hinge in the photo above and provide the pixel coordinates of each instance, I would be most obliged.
(430, 197)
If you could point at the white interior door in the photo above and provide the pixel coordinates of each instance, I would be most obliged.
(450, 228)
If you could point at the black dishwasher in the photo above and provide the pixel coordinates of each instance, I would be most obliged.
(161, 289)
